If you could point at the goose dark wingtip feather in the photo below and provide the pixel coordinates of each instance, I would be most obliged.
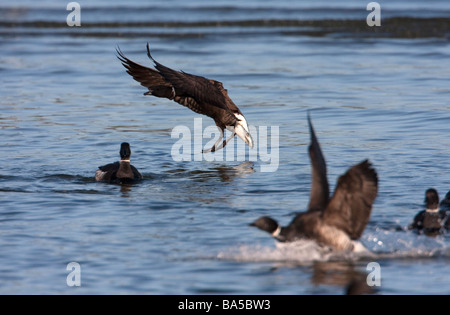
(149, 54)
(120, 55)
(368, 165)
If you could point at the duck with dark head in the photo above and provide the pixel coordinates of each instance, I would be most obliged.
(121, 171)
(432, 221)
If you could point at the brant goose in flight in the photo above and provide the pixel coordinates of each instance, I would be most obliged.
(335, 221)
(201, 95)
(432, 220)
(121, 171)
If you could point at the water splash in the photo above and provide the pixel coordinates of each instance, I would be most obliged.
(379, 244)
(406, 244)
(299, 252)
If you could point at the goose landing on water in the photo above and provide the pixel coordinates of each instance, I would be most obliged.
(201, 95)
(338, 221)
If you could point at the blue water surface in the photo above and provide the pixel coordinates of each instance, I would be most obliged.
(67, 104)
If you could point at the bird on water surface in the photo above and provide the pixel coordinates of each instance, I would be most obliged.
(121, 171)
(337, 221)
(201, 95)
(435, 218)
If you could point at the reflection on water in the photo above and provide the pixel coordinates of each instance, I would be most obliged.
(225, 173)
(125, 189)
(342, 274)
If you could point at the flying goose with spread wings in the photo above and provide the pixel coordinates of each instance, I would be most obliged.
(201, 95)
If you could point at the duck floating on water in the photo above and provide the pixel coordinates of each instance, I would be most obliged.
(433, 220)
(121, 171)
(201, 95)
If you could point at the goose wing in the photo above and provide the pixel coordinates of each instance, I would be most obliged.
(136, 173)
(201, 95)
(107, 172)
(350, 207)
(147, 77)
(319, 194)
(110, 168)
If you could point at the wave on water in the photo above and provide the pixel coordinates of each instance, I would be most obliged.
(395, 27)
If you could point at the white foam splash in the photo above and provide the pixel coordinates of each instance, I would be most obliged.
(374, 245)
(406, 244)
(301, 252)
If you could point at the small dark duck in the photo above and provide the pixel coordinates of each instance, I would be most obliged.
(121, 171)
(433, 220)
